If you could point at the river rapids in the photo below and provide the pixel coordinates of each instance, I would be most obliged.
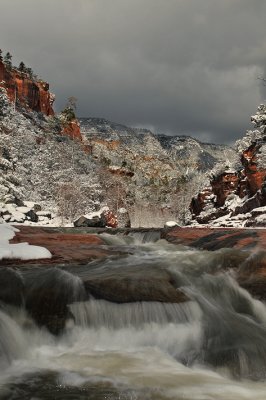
(212, 346)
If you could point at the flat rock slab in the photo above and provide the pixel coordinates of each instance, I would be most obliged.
(250, 264)
(65, 247)
(78, 245)
(215, 239)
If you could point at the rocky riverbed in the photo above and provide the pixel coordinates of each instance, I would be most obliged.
(99, 257)
(127, 314)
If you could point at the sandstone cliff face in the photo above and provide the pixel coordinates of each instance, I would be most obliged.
(254, 172)
(31, 94)
(238, 196)
(208, 204)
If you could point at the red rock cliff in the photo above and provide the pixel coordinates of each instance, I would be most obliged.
(31, 94)
(221, 186)
(255, 176)
(249, 182)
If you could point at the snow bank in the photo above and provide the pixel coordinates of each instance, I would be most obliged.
(22, 251)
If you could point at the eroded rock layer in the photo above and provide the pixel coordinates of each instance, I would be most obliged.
(237, 197)
(28, 92)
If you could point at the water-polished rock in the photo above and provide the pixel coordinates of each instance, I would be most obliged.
(126, 285)
(11, 287)
(216, 238)
(48, 294)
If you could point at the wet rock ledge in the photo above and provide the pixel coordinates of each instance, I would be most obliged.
(48, 286)
(81, 245)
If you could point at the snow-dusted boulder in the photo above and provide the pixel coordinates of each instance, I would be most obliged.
(99, 219)
(94, 222)
(45, 214)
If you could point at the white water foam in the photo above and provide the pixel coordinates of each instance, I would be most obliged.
(156, 348)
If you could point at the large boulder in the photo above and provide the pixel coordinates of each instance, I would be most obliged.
(125, 285)
(32, 216)
(48, 294)
(100, 219)
(94, 222)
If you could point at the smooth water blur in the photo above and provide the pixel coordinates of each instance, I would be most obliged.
(211, 347)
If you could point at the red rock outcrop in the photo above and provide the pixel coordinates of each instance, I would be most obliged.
(111, 145)
(248, 182)
(111, 219)
(120, 171)
(72, 129)
(220, 188)
(239, 192)
(31, 94)
(223, 185)
(199, 202)
(255, 176)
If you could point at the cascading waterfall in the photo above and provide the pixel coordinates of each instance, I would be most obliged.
(212, 346)
(98, 313)
(12, 343)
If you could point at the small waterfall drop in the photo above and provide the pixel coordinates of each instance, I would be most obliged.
(12, 340)
(101, 313)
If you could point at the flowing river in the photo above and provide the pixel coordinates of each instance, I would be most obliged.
(212, 346)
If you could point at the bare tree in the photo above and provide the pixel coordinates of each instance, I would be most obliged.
(71, 200)
(72, 103)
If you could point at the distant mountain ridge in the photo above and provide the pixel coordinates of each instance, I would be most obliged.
(161, 145)
(158, 172)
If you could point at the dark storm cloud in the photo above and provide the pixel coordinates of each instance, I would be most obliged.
(178, 66)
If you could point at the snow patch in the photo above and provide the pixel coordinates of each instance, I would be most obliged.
(171, 224)
(22, 251)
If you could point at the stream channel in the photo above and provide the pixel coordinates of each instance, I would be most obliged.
(208, 343)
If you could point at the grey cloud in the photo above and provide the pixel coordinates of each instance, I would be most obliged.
(180, 66)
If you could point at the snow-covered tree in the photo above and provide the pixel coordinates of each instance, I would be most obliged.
(258, 133)
(4, 101)
(8, 60)
(22, 67)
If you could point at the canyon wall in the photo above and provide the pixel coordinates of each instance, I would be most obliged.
(238, 196)
(29, 93)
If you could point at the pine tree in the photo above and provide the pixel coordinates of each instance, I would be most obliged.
(29, 72)
(22, 67)
(8, 61)
(1, 57)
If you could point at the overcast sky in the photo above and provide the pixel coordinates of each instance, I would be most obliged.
(176, 66)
